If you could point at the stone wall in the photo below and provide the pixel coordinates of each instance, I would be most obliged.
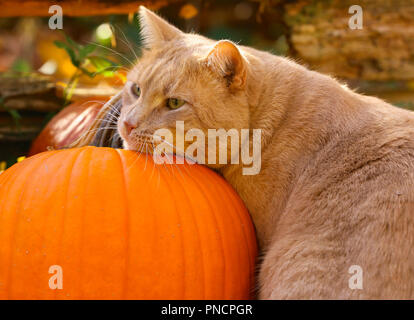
(382, 50)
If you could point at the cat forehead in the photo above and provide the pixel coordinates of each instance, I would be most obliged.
(173, 61)
(169, 78)
(188, 46)
(170, 63)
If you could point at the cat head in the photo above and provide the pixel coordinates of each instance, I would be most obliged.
(182, 77)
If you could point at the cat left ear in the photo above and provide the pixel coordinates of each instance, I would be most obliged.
(154, 29)
(226, 59)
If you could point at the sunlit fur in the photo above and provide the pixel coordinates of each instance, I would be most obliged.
(337, 182)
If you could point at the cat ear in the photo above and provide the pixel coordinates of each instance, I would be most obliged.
(226, 59)
(155, 29)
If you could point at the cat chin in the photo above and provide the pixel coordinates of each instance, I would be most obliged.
(128, 146)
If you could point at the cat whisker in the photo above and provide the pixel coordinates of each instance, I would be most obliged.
(146, 158)
(126, 41)
(114, 110)
(92, 101)
(158, 170)
(110, 68)
(171, 161)
(112, 117)
(174, 147)
(96, 130)
(112, 50)
(140, 152)
(108, 121)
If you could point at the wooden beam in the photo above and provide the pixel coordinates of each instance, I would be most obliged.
(40, 8)
(33, 92)
(29, 127)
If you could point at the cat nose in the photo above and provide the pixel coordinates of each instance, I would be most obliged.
(129, 127)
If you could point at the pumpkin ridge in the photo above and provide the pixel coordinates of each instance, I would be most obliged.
(155, 216)
(217, 227)
(16, 220)
(252, 247)
(116, 234)
(127, 223)
(87, 155)
(242, 223)
(7, 179)
(181, 236)
(68, 180)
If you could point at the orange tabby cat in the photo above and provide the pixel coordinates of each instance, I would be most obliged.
(336, 185)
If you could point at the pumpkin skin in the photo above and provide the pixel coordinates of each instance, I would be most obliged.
(67, 125)
(122, 227)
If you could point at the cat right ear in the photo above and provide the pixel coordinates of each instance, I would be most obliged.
(154, 29)
(226, 60)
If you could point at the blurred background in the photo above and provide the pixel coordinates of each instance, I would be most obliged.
(44, 70)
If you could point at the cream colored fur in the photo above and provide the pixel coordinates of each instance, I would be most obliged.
(336, 186)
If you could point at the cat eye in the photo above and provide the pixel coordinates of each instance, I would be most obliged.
(174, 103)
(136, 90)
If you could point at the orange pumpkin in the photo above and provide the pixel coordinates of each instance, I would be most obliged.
(68, 125)
(121, 227)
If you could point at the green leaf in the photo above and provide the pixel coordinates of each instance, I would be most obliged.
(15, 114)
(59, 44)
(87, 72)
(86, 50)
(21, 65)
(101, 62)
(108, 74)
(71, 42)
(70, 52)
(103, 66)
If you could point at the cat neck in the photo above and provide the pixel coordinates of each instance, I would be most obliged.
(298, 111)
